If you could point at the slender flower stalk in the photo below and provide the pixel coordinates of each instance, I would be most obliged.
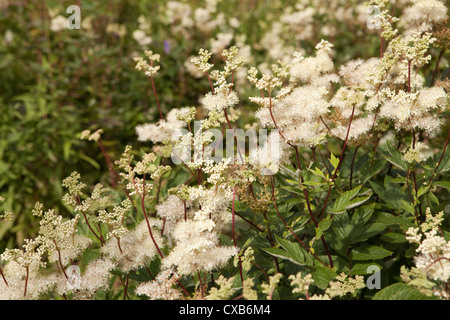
(156, 97)
(234, 234)
(338, 166)
(3, 277)
(290, 229)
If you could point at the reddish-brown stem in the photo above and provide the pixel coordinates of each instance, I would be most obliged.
(3, 276)
(156, 95)
(339, 164)
(438, 260)
(114, 176)
(60, 260)
(142, 196)
(305, 191)
(275, 123)
(183, 288)
(248, 221)
(234, 136)
(163, 226)
(262, 270)
(250, 187)
(210, 83)
(26, 282)
(187, 167)
(149, 273)
(149, 227)
(125, 290)
(289, 229)
(90, 228)
(201, 283)
(118, 245)
(326, 126)
(311, 214)
(100, 238)
(413, 137)
(233, 233)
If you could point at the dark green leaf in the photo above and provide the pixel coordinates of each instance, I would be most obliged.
(401, 291)
(393, 237)
(322, 276)
(347, 201)
(395, 157)
(369, 252)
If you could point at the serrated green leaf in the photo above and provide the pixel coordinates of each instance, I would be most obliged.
(408, 207)
(401, 291)
(362, 233)
(399, 180)
(369, 252)
(292, 252)
(363, 214)
(422, 191)
(447, 236)
(361, 268)
(395, 157)
(346, 201)
(391, 193)
(370, 169)
(292, 189)
(334, 161)
(292, 247)
(325, 224)
(390, 220)
(443, 184)
(319, 233)
(445, 163)
(393, 237)
(279, 253)
(342, 226)
(314, 183)
(318, 172)
(322, 276)
(433, 198)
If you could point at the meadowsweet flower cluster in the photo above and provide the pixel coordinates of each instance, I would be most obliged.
(149, 69)
(432, 254)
